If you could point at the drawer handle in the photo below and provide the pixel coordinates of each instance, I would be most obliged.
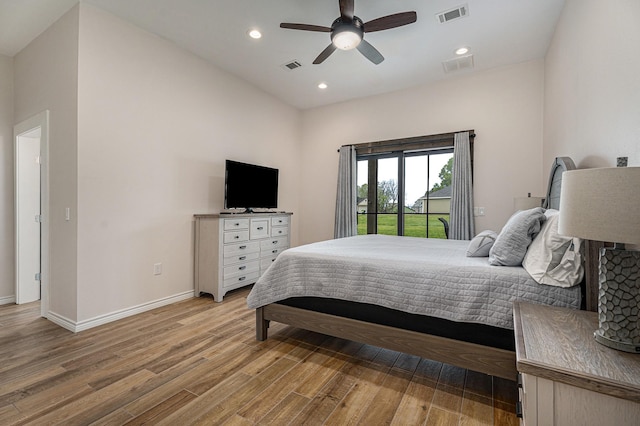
(274, 242)
(242, 247)
(242, 257)
(242, 278)
(242, 268)
(260, 228)
(279, 232)
(237, 237)
(274, 251)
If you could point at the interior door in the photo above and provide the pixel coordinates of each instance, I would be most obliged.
(28, 216)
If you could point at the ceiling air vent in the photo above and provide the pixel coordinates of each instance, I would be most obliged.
(450, 15)
(458, 64)
(292, 65)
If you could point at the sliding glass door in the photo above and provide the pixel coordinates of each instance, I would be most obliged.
(405, 193)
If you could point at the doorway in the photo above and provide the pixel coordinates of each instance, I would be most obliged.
(405, 193)
(31, 139)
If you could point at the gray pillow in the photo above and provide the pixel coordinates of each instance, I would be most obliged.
(481, 244)
(512, 242)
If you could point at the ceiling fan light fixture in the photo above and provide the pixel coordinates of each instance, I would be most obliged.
(346, 39)
(347, 34)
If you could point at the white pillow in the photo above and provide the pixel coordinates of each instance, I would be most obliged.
(512, 242)
(554, 259)
(481, 244)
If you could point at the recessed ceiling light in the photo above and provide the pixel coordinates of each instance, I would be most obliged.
(322, 86)
(255, 34)
(462, 51)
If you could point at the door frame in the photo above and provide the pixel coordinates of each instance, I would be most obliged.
(40, 120)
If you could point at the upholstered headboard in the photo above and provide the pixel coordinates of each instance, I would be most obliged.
(560, 165)
(592, 248)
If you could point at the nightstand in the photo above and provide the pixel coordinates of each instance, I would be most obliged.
(567, 378)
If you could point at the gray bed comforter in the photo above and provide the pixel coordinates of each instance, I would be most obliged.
(415, 275)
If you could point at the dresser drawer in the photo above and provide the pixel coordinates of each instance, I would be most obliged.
(241, 248)
(259, 228)
(242, 257)
(240, 280)
(280, 221)
(231, 224)
(265, 262)
(240, 269)
(276, 242)
(236, 236)
(272, 251)
(277, 231)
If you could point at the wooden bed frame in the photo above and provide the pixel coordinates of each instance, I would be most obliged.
(484, 359)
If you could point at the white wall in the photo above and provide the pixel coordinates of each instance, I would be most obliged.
(592, 84)
(504, 106)
(155, 126)
(7, 256)
(46, 77)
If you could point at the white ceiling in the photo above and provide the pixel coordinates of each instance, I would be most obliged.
(498, 32)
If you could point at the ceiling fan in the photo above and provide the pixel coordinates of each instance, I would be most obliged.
(347, 32)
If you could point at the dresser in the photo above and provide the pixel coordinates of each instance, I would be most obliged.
(233, 250)
(566, 377)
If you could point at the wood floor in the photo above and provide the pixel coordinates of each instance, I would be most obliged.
(197, 362)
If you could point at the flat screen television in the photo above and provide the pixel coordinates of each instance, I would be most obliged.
(250, 186)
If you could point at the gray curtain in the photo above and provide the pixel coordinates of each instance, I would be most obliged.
(461, 216)
(346, 221)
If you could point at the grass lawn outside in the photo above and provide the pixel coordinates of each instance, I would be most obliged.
(415, 224)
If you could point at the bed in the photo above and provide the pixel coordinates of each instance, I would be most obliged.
(418, 296)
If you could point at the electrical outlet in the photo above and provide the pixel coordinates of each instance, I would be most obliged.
(478, 211)
(157, 268)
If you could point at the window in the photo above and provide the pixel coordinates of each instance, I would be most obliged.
(405, 191)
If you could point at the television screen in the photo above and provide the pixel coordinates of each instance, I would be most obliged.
(250, 186)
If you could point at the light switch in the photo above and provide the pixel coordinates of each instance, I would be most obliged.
(157, 268)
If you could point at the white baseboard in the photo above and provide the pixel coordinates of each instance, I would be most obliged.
(62, 321)
(6, 300)
(114, 316)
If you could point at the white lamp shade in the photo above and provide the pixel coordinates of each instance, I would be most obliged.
(601, 204)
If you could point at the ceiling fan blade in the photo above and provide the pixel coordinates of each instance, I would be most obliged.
(390, 21)
(370, 52)
(305, 27)
(325, 54)
(346, 9)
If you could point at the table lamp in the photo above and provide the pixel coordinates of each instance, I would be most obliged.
(603, 204)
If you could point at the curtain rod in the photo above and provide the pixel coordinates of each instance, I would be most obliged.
(430, 138)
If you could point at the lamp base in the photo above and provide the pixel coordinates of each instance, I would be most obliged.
(615, 344)
(619, 300)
